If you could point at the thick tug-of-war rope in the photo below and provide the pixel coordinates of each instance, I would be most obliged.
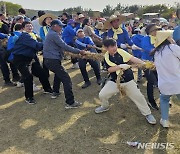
(147, 65)
(88, 55)
(118, 82)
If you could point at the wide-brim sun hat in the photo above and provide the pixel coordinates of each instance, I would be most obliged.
(113, 17)
(161, 36)
(48, 15)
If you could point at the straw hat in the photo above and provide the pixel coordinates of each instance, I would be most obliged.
(112, 18)
(161, 36)
(99, 25)
(48, 15)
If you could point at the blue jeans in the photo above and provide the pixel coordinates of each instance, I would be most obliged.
(164, 105)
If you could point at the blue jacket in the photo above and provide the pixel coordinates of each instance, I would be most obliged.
(82, 43)
(176, 33)
(42, 34)
(104, 35)
(3, 36)
(97, 32)
(122, 38)
(137, 39)
(68, 34)
(78, 26)
(27, 46)
(147, 47)
(12, 40)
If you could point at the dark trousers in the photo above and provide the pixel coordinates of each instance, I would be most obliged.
(45, 69)
(27, 71)
(94, 65)
(151, 77)
(5, 69)
(56, 82)
(56, 67)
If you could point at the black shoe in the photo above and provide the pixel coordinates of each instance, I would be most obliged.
(99, 81)
(55, 95)
(153, 105)
(30, 101)
(49, 91)
(86, 84)
(9, 84)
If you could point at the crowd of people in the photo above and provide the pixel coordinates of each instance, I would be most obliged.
(49, 36)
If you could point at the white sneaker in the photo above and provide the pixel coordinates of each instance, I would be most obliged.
(35, 88)
(150, 118)
(19, 85)
(164, 123)
(75, 66)
(101, 109)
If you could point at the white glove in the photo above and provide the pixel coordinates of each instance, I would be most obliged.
(124, 66)
(134, 47)
(123, 46)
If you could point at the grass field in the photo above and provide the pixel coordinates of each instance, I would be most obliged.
(47, 128)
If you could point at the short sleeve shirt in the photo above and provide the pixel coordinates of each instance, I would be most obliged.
(118, 59)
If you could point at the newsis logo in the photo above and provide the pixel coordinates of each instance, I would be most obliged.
(155, 146)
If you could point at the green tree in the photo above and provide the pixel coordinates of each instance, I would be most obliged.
(168, 14)
(163, 10)
(119, 7)
(108, 10)
(11, 8)
(134, 8)
(155, 8)
(73, 10)
(89, 12)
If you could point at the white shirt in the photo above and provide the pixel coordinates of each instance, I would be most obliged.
(36, 26)
(168, 69)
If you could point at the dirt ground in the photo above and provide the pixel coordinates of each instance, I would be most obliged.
(47, 128)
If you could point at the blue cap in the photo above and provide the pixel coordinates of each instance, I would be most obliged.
(57, 22)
